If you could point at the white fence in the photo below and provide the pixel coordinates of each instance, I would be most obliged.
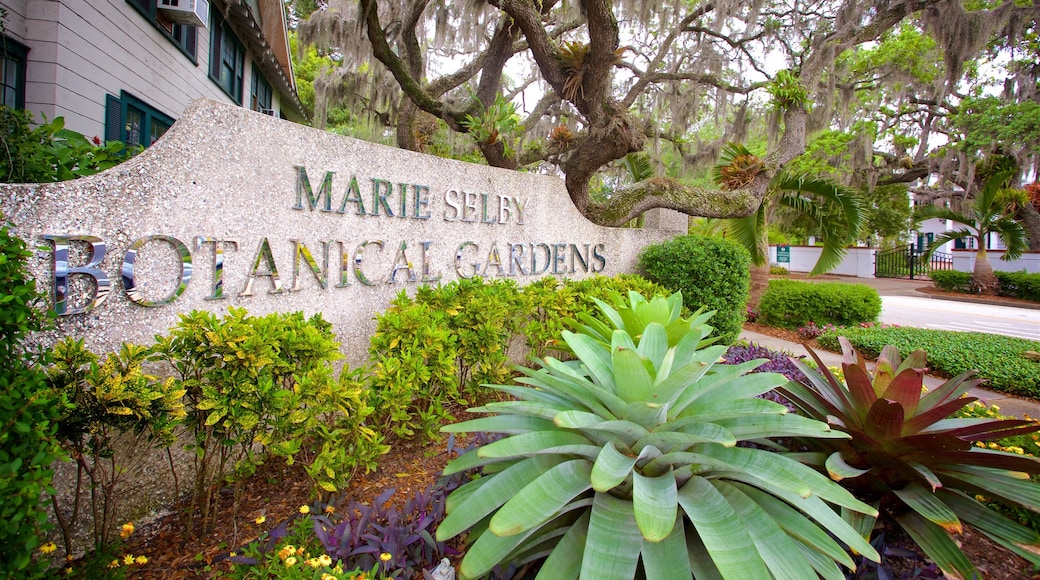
(859, 262)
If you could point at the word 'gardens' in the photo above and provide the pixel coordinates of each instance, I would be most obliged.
(411, 263)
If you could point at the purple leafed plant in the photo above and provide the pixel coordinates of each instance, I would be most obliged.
(776, 362)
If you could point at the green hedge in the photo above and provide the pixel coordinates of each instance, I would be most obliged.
(1019, 285)
(28, 414)
(952, 280)
(713, 273)
(999, 359)
(791, 303)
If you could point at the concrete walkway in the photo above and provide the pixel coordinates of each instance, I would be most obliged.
(1009, 405)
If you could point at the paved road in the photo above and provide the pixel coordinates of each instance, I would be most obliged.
(960, 316)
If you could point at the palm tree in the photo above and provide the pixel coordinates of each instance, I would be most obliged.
(834, 207)
(985, 214)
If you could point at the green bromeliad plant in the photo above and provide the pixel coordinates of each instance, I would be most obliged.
(634, 456)
(913, 459)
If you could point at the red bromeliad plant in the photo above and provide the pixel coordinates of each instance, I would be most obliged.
(914, 461)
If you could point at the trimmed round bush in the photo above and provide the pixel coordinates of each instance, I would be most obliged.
(713, 273)
(791, 303)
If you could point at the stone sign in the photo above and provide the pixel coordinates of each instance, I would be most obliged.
(235, 208)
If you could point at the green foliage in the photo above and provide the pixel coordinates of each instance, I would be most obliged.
(887, 210)
(630, 454)
(908, 51)
(433, 352)
(50, 152)
(952, 280)
(496, 121)
(412, 369)
(792, 303)
(117, 413)
(985, 121)
(28, 414)
(908, 455)
(787, 91)
(711, 273)
(998, 359)
(1019, 285)
(258, 386)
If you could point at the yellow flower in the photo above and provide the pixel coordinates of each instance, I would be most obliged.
(260, 520)
(48, 548)
(327, 576)
(114, 563)
(313, 563)
(286, 551)
(330, 509)
(232, 554)
(126, 529)
(290, 561)
(325, 560)
(385, 557)
(128, 559)
(68, 571)
(305, 509)
(142, 560)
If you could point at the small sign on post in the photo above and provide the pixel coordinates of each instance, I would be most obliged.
(783, 254)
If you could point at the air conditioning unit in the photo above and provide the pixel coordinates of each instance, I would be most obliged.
(186, 12)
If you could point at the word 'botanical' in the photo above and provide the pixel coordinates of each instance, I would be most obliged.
(471, 259)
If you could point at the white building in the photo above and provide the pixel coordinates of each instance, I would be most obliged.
(126, 69)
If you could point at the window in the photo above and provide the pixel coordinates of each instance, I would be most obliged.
(185, 37)
(226, 57)
(12, 73)
(132, 121)
(260, 93)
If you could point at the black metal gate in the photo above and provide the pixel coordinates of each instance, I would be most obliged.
(908, 262)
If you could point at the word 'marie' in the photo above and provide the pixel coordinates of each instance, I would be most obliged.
(405, 200)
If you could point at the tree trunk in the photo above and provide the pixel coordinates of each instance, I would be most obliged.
(759, 272)
(759, 283)
(983, 275)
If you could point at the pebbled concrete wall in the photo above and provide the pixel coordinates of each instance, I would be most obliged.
(235, 208)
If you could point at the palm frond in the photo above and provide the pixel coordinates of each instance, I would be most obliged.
(836, 208)
(746, 232)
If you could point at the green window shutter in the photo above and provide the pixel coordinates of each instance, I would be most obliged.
(113, 119)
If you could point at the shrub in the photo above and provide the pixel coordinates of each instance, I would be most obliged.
(50, 152)
(258, 386)
(603, 453)
(711, 273)
(952, 280)
(434, 351)
(117, 414)
(28, 414)
(791, 303)
(1019, 285)
(910, 456)
(998, 359)
(411, 368)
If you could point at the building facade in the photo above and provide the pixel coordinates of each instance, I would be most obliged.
(126, 69)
